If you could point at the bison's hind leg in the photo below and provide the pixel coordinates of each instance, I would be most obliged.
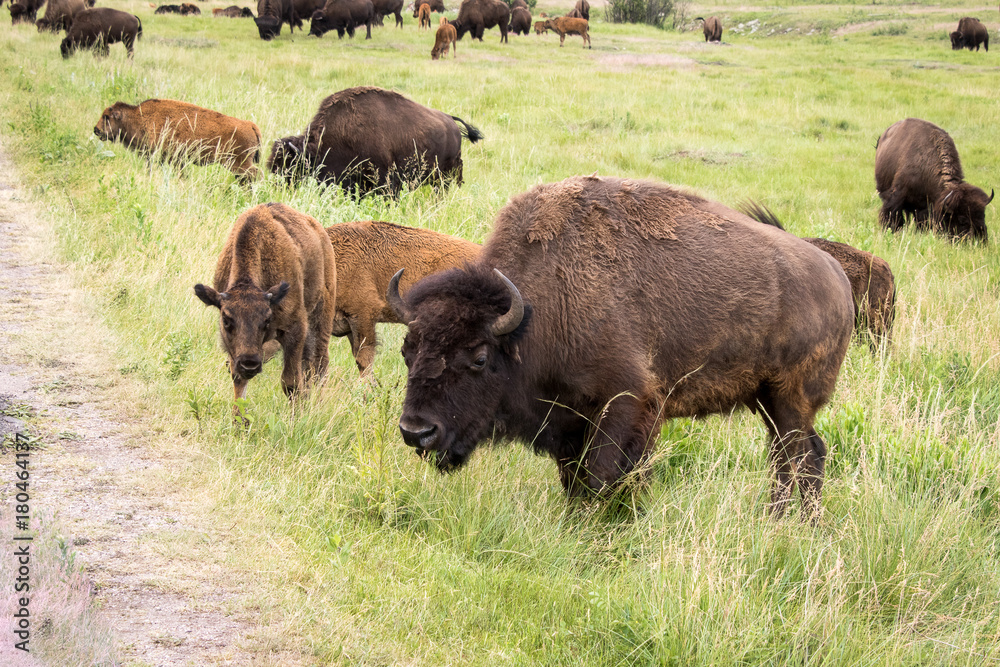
(798, 454)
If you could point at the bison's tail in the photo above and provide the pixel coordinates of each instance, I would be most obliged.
(138, 35)
(760, 213)
(471, 132)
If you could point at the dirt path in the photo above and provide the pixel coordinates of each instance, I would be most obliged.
(130, 566)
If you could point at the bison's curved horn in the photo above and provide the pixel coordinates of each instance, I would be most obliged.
(991, 196)
(396, 301)
(512, 318)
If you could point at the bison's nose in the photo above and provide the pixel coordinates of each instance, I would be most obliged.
(97, 131)
(421, 436)
(248, 366)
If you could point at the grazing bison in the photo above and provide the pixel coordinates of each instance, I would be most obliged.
(343, 15)
(563, 26)
(233, 12)
(712, 27)
(425, 16)
(24, 11)
(476, 16)
(304, 9)
(271, 14)
(445, 35)
(368, 138)
(183, 130)
(601, 307)
(276, 279)
(917, 172)
(580, 11)
(435, 5)
(100, 27)
(520, 21)
(970, 34)
(59, 14)
(540, 27)
(385, 7)
(872, 284)
(368, 254)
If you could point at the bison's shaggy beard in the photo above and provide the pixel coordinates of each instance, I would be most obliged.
(961, 213)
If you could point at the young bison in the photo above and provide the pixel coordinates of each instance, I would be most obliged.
(181, 129)
(569, 26)
(425, 16)
(100, 27)
(446, 35)
(276, 279)
(368, 254)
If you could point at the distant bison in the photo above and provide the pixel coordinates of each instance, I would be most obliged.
(59, 14)
(386, 7)
(712, 27)
(476, 16)
(435, 5)
(917, 172)
(186, 9)
(100, 27)
(445, 36)
(368, 254)
(343, 16)
(872, 284)
(580, 11)
(600, 307)
(540, 27)
(24, 11)
(233, 12)
(275, 279)
(271, 14)
(563, 26)
(304, 9)
(369, 139)
(180, 129)
(970, 34)
(520, 21)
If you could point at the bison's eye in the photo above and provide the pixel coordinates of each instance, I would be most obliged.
(265, 324)
(227, 323)
(479, 363)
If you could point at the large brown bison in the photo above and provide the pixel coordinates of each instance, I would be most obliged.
(520, 21)
(971, 33)
(368, 139)
(445, 36)
(872, 283)
(59, 14)
(271, 14)
(476, 16)
(563, 26)
(276, 279)
(368, 254)
(712, 27)
(918, 173)
(580, 11)
(183, 130)
(100, 27)
(304, 9)
(24, 11)
(385, 7)
(601, 307)
(343, 16)
(435, 6)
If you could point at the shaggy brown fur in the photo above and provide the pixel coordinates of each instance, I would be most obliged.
(100, 27)
(368, 254)
(384, 8)
(918, 173)
(425, 16)
(271, 14)
(435, 5)
(971, 33)
(712, 27)
(580, 11)
(24, 11)
(446, 35)
(184, 130)
(368, 139)
(477, 16)
(634, 303)
(563, 26)
(59, 14)
(540, 27)
(233, 12)
(520, 21)
(343, 16)
(276, 279)
(519, 3)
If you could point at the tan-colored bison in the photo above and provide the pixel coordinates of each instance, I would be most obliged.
(918, 173)
(563, 26)
(276, 279)
(368, 254)
(446, 35)
(59, 14)
(100, 27)
(180, 129)
(540, 27)
(425, 16)
(712, 27)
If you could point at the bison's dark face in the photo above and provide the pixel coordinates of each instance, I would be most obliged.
(460, 28)
(288, 158)
(246, 313)
(269, 27)
(956, 41)
(962, 212)
(319, 25)
(462, 354)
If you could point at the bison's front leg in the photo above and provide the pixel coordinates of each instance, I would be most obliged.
(293, 342)
(363, 344)
(891, 215)
(368, 34)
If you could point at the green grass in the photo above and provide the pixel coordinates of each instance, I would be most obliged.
(373, 558)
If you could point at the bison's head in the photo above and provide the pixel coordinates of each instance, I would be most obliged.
(66, 49)
(462, 354)
(460, 28)
(956, 40)
(246, 13)
(288, 158)
(269, 27)
(246, 313)
(18, 13)
(319, 25)
(961, 212)
(110, 127)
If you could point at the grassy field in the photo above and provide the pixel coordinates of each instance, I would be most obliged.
(371, 557)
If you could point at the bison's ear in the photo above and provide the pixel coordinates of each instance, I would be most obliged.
(277, 293)
(208, 295)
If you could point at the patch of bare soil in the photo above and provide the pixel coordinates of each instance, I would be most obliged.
(130, 567)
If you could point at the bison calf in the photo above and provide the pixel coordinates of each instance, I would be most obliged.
(569, 26)
(918, 173)
(425, 16)
(446, 35)
(100, 27)
(276, 279)
(180, 129)
(368, 254)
